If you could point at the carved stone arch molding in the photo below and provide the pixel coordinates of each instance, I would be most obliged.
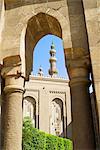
(37, 25)
(57, 96)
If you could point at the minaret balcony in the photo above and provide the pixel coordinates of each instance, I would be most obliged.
(52, 59)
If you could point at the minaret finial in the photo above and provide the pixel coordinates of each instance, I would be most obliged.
(53, 70)
(52, 45)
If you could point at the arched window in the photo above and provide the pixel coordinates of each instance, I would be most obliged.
(56, 118)
(29, 109)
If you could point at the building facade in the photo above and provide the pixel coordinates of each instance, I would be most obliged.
(47, 103)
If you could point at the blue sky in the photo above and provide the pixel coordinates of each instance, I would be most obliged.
(41, 55)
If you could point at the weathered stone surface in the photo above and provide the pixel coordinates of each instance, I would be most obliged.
(18, 3)
(90, 4)
(77, 24)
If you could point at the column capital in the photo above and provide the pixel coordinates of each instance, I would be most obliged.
(11, 72)
(11, 66)
(76, 58)
(78, 65)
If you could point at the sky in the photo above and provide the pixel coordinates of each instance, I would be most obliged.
(41, 55)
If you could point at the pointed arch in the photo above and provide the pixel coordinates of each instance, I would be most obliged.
(29, 108)
(56, 118)
(37, 25)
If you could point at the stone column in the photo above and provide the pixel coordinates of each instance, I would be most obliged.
(78, 66)
(12, 105)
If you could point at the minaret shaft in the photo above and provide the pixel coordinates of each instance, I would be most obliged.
(53, 69)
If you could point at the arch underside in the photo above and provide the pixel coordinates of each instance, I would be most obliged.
(38, 26)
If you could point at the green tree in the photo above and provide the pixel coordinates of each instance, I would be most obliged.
(27, 136)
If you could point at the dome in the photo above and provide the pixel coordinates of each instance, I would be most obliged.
(40, 72)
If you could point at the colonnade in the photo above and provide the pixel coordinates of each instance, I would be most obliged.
(78, 66)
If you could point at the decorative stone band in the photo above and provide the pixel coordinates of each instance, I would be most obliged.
(12, 88)
(79, 81)
(13, 84)
(74, 53)
(58, 92)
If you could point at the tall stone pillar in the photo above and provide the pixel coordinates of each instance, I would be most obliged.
(12, 105)
(78, 66)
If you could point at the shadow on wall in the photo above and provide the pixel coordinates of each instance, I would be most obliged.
(16, 4)
(69, 131)
(95, 119)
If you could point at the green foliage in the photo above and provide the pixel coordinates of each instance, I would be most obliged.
(61, 144)
(68, 144)
(38, 139)
(51, 142)
(27, 142)
(33, 139)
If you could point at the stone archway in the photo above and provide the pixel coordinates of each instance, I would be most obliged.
(39, 26)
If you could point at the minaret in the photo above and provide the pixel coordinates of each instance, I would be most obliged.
(40, 72)
(53, 70)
